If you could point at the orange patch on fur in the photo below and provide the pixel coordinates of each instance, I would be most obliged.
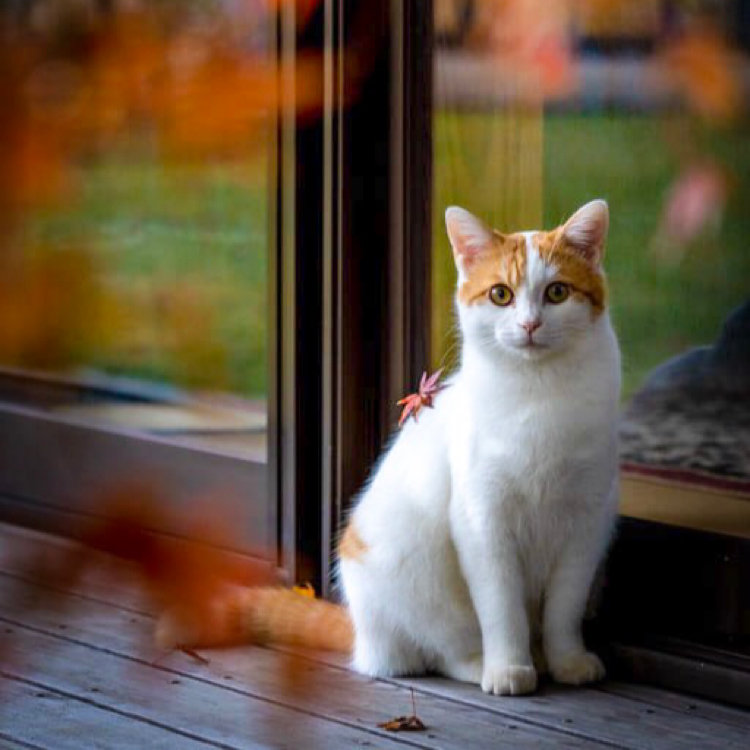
(584, 279)
(503, 262)
(352, 546)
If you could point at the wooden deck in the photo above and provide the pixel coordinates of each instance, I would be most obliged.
(81, 674)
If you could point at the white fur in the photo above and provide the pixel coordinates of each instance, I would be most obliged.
(487, 518)
(468, 236)
(587, 228)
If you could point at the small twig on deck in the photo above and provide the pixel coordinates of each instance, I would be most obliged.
(185, 650)
(193, 654)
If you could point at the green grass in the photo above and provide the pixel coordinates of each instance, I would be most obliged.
(203, 228)
(165, 236)
(658, 309)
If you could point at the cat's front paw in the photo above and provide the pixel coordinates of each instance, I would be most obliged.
(577, 668)
(501, 679)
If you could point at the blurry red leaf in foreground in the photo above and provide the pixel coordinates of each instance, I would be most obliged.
(216, 596)
(179, 574)
(176, 571)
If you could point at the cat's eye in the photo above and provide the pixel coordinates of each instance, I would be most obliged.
(557, 292)
(501, 295)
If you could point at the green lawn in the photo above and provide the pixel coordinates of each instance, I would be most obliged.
(658, 309)
(183, 247)
(199, 233)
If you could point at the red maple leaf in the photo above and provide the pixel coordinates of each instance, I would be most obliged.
(413, 403)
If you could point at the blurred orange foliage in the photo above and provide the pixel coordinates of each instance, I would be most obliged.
(530, 39)
(532, 43)
(176, 572)
(75, 82)
(51, 306)
(702, 67)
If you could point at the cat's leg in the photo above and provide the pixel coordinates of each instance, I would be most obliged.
(565, 602)
(492, 569)
(381, 647)
(381, 652)
(462, 668)
(455, 640)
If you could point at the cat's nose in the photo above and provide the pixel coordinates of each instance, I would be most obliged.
(531, 325)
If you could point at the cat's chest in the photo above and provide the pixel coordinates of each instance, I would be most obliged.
(540, 447)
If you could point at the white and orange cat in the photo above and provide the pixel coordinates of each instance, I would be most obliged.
(472, 549)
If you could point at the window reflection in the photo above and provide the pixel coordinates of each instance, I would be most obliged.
(139, 135)
(642, 104)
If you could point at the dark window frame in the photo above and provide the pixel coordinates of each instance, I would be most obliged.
(353, 265)
(675, 609)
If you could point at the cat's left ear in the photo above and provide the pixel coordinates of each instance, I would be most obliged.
(586, 230)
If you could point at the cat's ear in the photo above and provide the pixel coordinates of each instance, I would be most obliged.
(469, 235)
(586, 230)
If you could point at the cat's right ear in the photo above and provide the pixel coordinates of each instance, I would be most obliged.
(469, 235)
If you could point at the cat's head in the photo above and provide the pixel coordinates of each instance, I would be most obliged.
(529, 294)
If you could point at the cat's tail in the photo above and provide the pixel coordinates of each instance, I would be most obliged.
(268, 614)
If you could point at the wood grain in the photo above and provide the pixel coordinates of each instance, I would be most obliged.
(93, 652)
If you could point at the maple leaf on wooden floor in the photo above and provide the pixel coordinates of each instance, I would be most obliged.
(405, 723)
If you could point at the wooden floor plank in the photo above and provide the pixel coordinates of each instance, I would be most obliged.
(44, 717)
(333, 694)
(113, 617)
(591, 713)
(225, 718)
(9, 743)
(681, 704)
(618, 715)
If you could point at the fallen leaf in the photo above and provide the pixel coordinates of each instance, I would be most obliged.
(404, 724)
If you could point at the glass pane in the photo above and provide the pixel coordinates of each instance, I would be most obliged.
(642, 104)
(136, 253)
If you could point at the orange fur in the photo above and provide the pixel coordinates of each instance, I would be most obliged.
(584, 279)
(268, 614)
(503, 262)
(283, 616)
(352, 546)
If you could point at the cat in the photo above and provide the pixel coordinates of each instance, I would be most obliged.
(472, 549)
